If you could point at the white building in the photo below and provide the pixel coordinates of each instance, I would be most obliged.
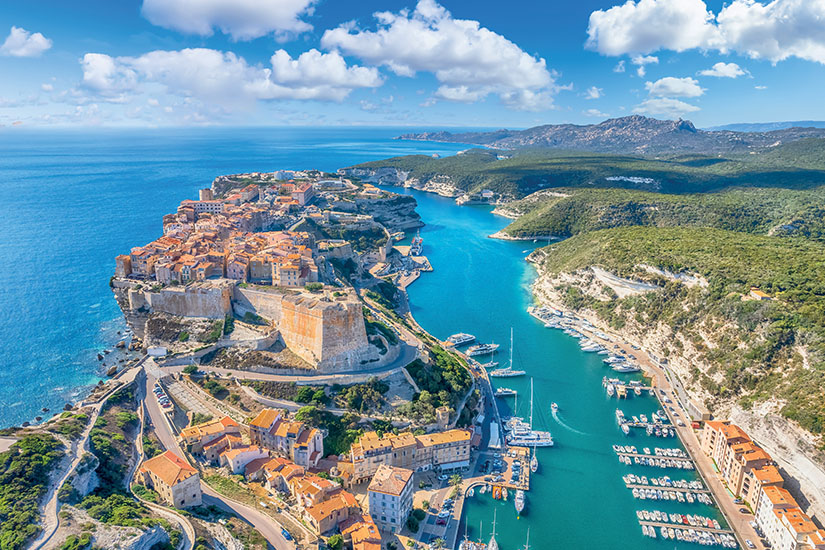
(390, 497)
(784, 524)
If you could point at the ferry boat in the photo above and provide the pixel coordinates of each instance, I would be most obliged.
(460, 339)
(505, 392)
(508, 371)
(518, 502)
(417, 245)
(481, 349)
(522, 433)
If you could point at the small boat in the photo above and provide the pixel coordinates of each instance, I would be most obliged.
(554, 407)
(471, 492)
(518, 502)
(506, 372)
(626, 428)
(504, 494)
(505, 392)
(534, 464)
(610, 390)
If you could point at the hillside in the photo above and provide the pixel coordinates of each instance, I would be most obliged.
(635, 135)
(566, 212)
(516, 174)
(725, 346)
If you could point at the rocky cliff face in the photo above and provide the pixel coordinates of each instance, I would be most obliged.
(395, 213)
(633, 134)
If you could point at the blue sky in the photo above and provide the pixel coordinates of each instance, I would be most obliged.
(408, 63)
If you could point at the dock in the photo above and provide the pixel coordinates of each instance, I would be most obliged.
(642, 455)
(666, 489)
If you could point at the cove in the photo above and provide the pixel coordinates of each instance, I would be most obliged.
(577, 499)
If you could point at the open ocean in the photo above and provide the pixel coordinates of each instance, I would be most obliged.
(72, 200)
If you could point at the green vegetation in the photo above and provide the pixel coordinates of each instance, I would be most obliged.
(443, 382)
(362, 398)
(200, 418)
(794, 165)
(782, 212)
(24, 473)
(126, 418)
(335, 542)
(412, 524)
(190, 369)
(314, 287)
(228, 324)
(145, 493)
(288, 391)
(362, 240)
(183, 336)
(342, 430)
(757, 359)
(73, 542)
(69, 424)
(215, 388)
(213, 334)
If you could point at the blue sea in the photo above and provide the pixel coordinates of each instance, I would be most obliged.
(72, 200)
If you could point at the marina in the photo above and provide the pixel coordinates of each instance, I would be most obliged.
(567, 369)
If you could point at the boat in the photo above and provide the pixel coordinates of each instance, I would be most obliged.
(504, 494)
(505, 392)
(471, 492)
(489, 365)
(626, 367)
(508, 371)
(626, 428)
(460, 339)
(554, 407)
(481, 349)
(417, 245)
(534, 462)
(518, 502)
(522, 433)
(610, 390)
(493, 545)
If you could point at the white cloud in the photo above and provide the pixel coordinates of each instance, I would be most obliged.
(469, 61)
(22, 43)
(675, 87)
(724, 70)
(153, 102)
(776, 30)
(223, 78)
(664, 107)
(650, 25)
(641, 61)
(595, 113)
(593, 93)
(760, 87)
(47, 87)
(619, 68)
(241, 19)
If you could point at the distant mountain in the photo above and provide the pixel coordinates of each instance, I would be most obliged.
(769, 126)
(635, 134)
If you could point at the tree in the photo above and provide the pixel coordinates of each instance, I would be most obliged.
(335, 542)
(190, 369)
(314, 287)
(319, 396)
(455, 480)
(305, 394)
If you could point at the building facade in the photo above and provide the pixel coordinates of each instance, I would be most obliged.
(173, 479)
(390, 497)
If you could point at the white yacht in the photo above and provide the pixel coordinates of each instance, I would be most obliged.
(522, 433)
(460, 339)
(505, 392)
(518, 502)
(508, 371)
(493, 545)
(481, 349)
(626, 367)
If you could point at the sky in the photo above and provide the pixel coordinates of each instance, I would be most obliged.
(430, 63)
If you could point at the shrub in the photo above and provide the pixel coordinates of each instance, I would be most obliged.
(314, 287)
(183, 336)
(190, 369)
(335, 542)
(412, 524)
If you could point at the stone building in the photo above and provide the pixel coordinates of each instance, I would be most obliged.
(173, 479)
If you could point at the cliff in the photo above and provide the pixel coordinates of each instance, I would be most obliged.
(396, 213)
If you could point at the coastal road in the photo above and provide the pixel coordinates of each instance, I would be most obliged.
(268, 527)
(407, 355)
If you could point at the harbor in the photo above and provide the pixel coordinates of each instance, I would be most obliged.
(486, 303)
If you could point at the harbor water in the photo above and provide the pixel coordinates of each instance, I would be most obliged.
(578, 498)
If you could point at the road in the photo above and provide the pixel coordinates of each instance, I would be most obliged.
(51, 519)
(267, 526)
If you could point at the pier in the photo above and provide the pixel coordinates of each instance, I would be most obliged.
(642, 455)
(669, 489)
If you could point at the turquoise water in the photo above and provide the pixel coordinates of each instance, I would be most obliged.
(577, 499)
(72, 200)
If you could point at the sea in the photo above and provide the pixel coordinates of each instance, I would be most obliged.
(72, 200)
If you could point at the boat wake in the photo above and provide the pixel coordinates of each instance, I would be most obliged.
(564, 425)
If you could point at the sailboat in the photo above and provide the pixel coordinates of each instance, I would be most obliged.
(522, 434)
(508, 371)
(493, 545)
(534, 462)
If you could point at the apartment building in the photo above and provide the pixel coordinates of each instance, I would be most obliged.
(446, 450)
(784, 524)
(199, 435)
(290, 439)
(390, 497)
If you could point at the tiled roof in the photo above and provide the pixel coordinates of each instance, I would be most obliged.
(390, 480)
(169, 468)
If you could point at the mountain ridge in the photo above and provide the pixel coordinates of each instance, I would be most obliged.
(632, 134)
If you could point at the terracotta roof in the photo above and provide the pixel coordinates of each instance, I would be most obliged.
(209, 428)
(265, 418)
(222, 441)
(255, 465)
(390, 480)
(325, 509)
(237, 451)
(169, 468)
(438, 438)
(767, 474)
(780, 497)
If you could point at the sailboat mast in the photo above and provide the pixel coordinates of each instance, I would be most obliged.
(531, 403)
(511, 347)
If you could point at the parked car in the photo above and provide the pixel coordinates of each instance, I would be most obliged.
(286, 534)
(749, 543)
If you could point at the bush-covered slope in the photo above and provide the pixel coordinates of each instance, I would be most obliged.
(751, 210)
(762, 357)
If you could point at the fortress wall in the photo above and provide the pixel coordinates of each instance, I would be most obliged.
(212, 301)
(265, 304)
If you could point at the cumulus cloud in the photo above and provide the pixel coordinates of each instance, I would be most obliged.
(223, 78)
(665, 107)
(595, 113)
(775, 31)
(593, 93)
(241, 19)
(620, 67)
(724, 70)
(22, 43)
(674, 87)
(641, 60)
(469, 61)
